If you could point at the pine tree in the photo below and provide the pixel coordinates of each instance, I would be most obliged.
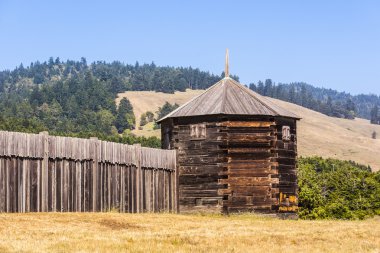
(149, 116)
(292, 94)
(125, 118)
(268, 88)
(375, 115)
(329, 105)
(260, 88)
(166, 109)
(252, 86)
(143, 120)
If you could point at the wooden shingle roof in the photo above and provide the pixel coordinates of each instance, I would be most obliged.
(228, 97)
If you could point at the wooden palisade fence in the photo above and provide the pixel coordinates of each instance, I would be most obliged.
(41, 173)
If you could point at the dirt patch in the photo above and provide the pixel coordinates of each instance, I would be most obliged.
(115, 224)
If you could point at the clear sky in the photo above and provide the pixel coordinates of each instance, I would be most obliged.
(332, 44)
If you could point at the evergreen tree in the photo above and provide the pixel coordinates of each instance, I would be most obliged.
(125, 118)
(252, 86)
(375, 115)
(182, 84)
(149, 116)
(304, 96)
(350, 105)
(143, 120)
(166, 109)
(292, 94)
(36, 96)
(260, 87)
(329, 106)
(268, 88)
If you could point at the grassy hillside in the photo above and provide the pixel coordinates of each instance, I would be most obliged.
(143, 101)
(114, 232)
(318, 134)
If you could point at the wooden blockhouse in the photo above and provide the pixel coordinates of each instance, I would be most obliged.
(236, 151)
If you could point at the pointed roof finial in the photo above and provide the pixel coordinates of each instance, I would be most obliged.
(226, 68)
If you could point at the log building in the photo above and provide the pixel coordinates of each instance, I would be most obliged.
(236, 151)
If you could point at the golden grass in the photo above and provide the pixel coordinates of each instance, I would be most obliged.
(318, 134)
(143, 101)
(147, 131)
(114, 232)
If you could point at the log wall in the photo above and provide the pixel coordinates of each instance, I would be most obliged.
(250, 169)
(40, 173)
(243, 164)
(286, 159)
(200, 165)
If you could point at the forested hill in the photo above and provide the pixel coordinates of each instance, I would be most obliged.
(117, 76)
(327, 101)
(77, 98)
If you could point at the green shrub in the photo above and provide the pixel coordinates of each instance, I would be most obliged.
(330, 188)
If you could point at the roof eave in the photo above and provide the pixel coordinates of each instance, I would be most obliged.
(228, 114)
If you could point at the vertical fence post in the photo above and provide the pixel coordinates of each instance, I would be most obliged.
(176, 186)
(138, 193)
(44, 171)
(94, 172)
(146, 189)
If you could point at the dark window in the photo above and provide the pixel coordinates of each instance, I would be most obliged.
(198, 131)
(286, 133)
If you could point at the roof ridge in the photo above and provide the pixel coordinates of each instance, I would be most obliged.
(216, 100)
(188, 102)
(247, 90)
(223, 106)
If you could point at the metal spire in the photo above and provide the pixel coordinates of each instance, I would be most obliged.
(226, 68)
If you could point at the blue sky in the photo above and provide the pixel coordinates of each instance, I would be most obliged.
(332, 44)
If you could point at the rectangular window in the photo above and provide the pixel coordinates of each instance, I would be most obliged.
(286, 133)
(198, 131)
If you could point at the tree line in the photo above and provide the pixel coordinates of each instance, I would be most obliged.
(74, 97)
(326, 101)
(119, 77)
(77, 98)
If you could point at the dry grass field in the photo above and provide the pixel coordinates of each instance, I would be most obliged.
(114, 232)
(143, 101)
(318, 134)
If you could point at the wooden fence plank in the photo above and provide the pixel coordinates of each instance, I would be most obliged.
(43, 173)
